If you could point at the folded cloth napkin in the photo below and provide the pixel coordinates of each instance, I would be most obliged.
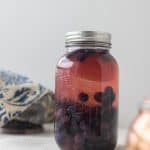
(23, 100)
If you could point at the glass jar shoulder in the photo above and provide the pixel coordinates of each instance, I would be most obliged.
(111, 60)
(87, 58)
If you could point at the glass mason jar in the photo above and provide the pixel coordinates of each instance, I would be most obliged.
(86, 93)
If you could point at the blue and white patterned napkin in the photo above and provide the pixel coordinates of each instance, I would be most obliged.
(23, 100)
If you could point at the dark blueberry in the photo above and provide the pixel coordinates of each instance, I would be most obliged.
(98, 112)
(114, 133)
(71, 110)
(100, 143)
(71, 54)
(114, 112)
(92, 124)
(84, 126)
(89, 144)
(106, 115)
(105, 125)
(59, 126)
(62, 138)
(105, 56)
(81, 56)
(83, 97)
(60, 105)
(106, 133)
(75, 127)
(105, 129)
(65, 119)
(92, 118)
(92, 112)
(78, 117)
(78, 139)
(63, 123)
(103, 145)
(85, 118)
(78, 147)
(98, 96)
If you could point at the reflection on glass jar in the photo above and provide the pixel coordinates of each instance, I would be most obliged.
(139, 134)
(86, 112)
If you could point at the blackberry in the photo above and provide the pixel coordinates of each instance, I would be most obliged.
(83, 97)
(108, 97)
(110, 93)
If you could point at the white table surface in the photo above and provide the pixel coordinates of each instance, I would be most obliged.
(43, 141)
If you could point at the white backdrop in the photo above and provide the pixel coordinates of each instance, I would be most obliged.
(32, 40)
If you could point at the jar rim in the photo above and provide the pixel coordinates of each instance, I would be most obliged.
(88, 38)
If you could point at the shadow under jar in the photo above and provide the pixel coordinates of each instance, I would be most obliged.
(86, 93)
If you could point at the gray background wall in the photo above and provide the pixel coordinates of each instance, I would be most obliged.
(32, 40)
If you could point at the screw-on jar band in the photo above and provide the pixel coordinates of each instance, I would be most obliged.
(88, 38)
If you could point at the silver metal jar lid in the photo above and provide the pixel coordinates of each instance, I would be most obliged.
(88, 38)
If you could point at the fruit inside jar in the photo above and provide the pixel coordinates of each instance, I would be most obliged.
(86, 94)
